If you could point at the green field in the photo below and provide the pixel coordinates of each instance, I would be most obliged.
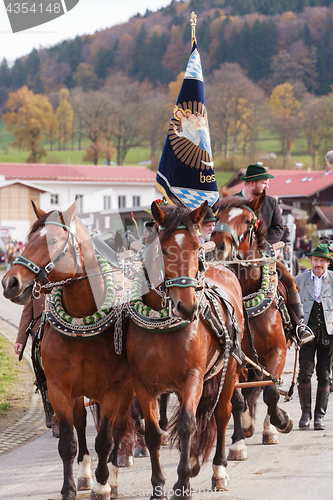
(266, 143)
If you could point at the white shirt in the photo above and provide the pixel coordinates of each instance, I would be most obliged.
(317, 285)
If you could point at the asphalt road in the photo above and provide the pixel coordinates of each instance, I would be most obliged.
(299, 467)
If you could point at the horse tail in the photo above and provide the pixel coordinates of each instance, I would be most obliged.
(204, 437)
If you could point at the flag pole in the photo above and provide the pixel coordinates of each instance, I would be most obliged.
(193, 26)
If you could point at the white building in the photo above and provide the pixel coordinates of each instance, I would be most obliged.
(105, 195)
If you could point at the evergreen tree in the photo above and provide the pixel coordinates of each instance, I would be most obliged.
(19, 75)
(104, 60)
(5, 77)
(307, 35)
(204, 35)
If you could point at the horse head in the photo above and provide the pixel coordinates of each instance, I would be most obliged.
(54, 250)
(237, 224)
(180, 246)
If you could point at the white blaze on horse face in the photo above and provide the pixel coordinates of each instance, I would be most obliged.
(180, 239)
(235, 212)
(43, 232)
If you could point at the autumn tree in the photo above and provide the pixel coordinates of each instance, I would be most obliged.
(28, 119)
(125, 99)
(94, 115)
(284, 109)
(85, 77)
(231, 98)
(312, 125)
(64, 114)
(157, 113)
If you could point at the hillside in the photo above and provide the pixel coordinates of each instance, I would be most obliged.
(274, 40)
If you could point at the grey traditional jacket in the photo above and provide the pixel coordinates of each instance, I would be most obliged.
(306, 284)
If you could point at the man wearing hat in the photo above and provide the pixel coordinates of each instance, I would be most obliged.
(316, 295)
(207, 225)
(256, 179)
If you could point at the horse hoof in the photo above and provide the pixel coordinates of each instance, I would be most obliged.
(288, 428)
(114, 492)
(237, 455)
(270, 439)
(125, 461)
(99, 496)
(140, 452)
(84, 483)
(221, 484)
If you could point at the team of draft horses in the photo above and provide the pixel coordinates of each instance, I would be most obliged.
(184, 329)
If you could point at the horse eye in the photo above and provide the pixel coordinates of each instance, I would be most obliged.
(164, 252)
(53, 241)
(247, 221)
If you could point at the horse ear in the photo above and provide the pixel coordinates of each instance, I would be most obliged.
(199, 213)
(224, 192)
(38, 211)
(258, 202)
(68, 215)
(158, 214)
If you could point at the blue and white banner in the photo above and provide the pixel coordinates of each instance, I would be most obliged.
(186, 170)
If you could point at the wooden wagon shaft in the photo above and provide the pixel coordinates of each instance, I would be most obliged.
(257, 383)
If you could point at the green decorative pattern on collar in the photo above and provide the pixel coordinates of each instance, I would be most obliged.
(260, 295)
(105, 308)
(138, 304)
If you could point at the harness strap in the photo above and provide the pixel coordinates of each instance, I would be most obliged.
(182, 282)
(28, 331)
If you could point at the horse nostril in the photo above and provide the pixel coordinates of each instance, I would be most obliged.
(13, 283)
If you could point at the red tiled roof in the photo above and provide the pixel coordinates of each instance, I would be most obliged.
(88, 173)
(295, 183)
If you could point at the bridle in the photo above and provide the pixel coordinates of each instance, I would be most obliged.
(42, 272)
(222, 227)
(180, 281)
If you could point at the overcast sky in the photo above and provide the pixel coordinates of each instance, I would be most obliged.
(85, 18)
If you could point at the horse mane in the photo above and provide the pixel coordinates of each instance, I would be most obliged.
(177, 216)
(50, 216)
(239, 201)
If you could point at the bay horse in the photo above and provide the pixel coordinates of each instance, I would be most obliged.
(59, 248)
(178, 359)
(239, 235)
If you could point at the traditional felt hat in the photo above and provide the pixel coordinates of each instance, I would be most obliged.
(209, 217)
(256, 172)
(320, 251)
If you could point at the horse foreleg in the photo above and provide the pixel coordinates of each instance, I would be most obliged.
(119, 429)
(153, 438)
(278, 417)
(220, 479)
(186, 425)
(237, 450)
(84, 477)
(67, 447)
(100, 489)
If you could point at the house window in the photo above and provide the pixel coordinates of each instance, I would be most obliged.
(79, 203)
(54, 199)
(107, 202)
(136, 201)
(121, 201)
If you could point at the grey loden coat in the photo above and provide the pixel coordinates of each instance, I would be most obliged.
(307, 297)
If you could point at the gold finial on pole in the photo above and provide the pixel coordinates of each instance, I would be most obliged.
(193, 25)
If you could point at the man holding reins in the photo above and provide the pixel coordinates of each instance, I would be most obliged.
(256, 180)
